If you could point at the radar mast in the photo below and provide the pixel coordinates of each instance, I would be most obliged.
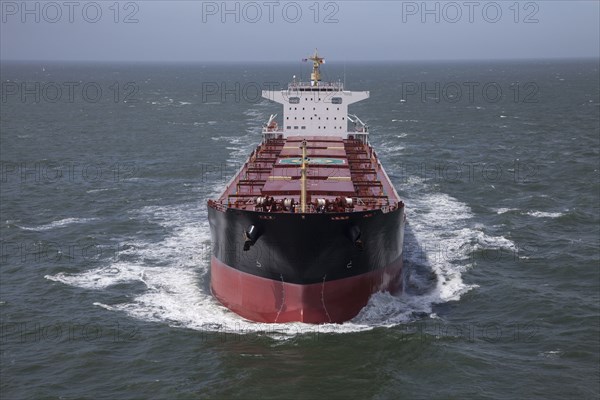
(315, 76)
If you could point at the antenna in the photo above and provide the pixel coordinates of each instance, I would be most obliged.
(315, 77)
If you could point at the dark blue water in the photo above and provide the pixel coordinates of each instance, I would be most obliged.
(105, 243)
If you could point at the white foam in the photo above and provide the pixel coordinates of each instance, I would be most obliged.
(446, 236)
(394, 149)
(505, 210)
(544, 214)
(101, 278)
(98, 190)
(532, 213)
(551, 354)
(442, 230)
(58, 224)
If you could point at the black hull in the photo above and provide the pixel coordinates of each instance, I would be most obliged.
(307, 248)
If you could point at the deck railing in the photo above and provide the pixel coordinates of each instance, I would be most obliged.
(308, 85)
(310, 208)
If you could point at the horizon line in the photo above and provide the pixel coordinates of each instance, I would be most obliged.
(335, 62)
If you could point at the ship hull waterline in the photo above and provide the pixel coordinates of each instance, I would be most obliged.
(304, 267)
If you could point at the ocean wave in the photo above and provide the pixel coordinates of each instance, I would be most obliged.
(443, 231)
(101, 278)
(532, 213)
(545, 214)
(505, 210)
(99, 190)
(405, 120)
(389, 149)
(57, 224)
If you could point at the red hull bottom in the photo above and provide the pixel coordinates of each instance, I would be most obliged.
(265, 300)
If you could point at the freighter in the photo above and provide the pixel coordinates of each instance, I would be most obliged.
(310, 226)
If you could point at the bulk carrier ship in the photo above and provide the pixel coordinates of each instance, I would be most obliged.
(311, 226)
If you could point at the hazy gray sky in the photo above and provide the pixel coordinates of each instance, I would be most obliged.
(286, 30)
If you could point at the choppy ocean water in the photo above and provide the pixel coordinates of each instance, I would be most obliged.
(104, 274)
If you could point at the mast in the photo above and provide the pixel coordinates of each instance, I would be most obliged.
(315, 77)
(303, 179)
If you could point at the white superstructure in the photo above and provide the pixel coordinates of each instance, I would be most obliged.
(315, 108)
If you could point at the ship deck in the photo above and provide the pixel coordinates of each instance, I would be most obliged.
(343, 175)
